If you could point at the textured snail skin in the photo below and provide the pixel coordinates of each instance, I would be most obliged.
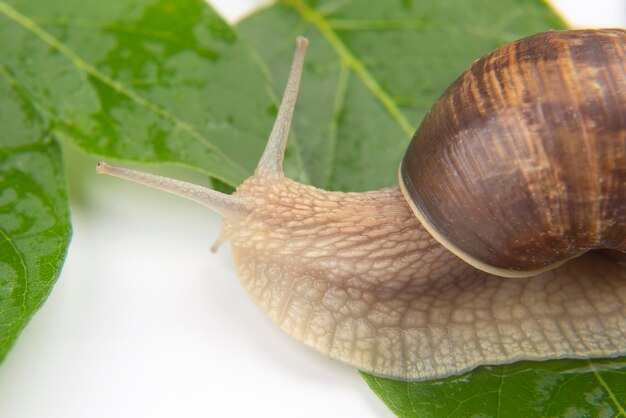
(521, 164)
(359, 278)
(356, 276)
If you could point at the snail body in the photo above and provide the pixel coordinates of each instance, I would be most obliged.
(359, 277)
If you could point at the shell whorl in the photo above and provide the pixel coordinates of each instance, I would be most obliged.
(521, 164)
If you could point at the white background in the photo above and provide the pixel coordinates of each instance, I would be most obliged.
(146, 322)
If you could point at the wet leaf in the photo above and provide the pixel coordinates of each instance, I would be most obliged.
(151, 81)
(566, 388)
(34, 215)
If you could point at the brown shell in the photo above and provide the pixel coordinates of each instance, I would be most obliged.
(521, 164)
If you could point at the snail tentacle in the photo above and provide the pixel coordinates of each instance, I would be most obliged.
(219, 202)
(271, 163)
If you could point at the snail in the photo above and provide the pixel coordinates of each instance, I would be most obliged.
(503, 241)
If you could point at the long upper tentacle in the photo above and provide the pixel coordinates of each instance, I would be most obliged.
(271, 163)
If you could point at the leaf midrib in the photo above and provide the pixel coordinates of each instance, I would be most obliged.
(351, 60)
(620, 408)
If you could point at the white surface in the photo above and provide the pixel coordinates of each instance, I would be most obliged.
(592, 13)
(146, 322)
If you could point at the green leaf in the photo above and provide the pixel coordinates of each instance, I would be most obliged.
(373, 70)
(34, 216)
(151, 81)
(576, 388)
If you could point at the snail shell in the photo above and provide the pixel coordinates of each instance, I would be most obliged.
(521, 164)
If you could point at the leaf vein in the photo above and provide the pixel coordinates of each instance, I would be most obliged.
(353, 62)
(608, 390)
(82, 65)
(19, 255)
(340, 94)
(371, 24)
